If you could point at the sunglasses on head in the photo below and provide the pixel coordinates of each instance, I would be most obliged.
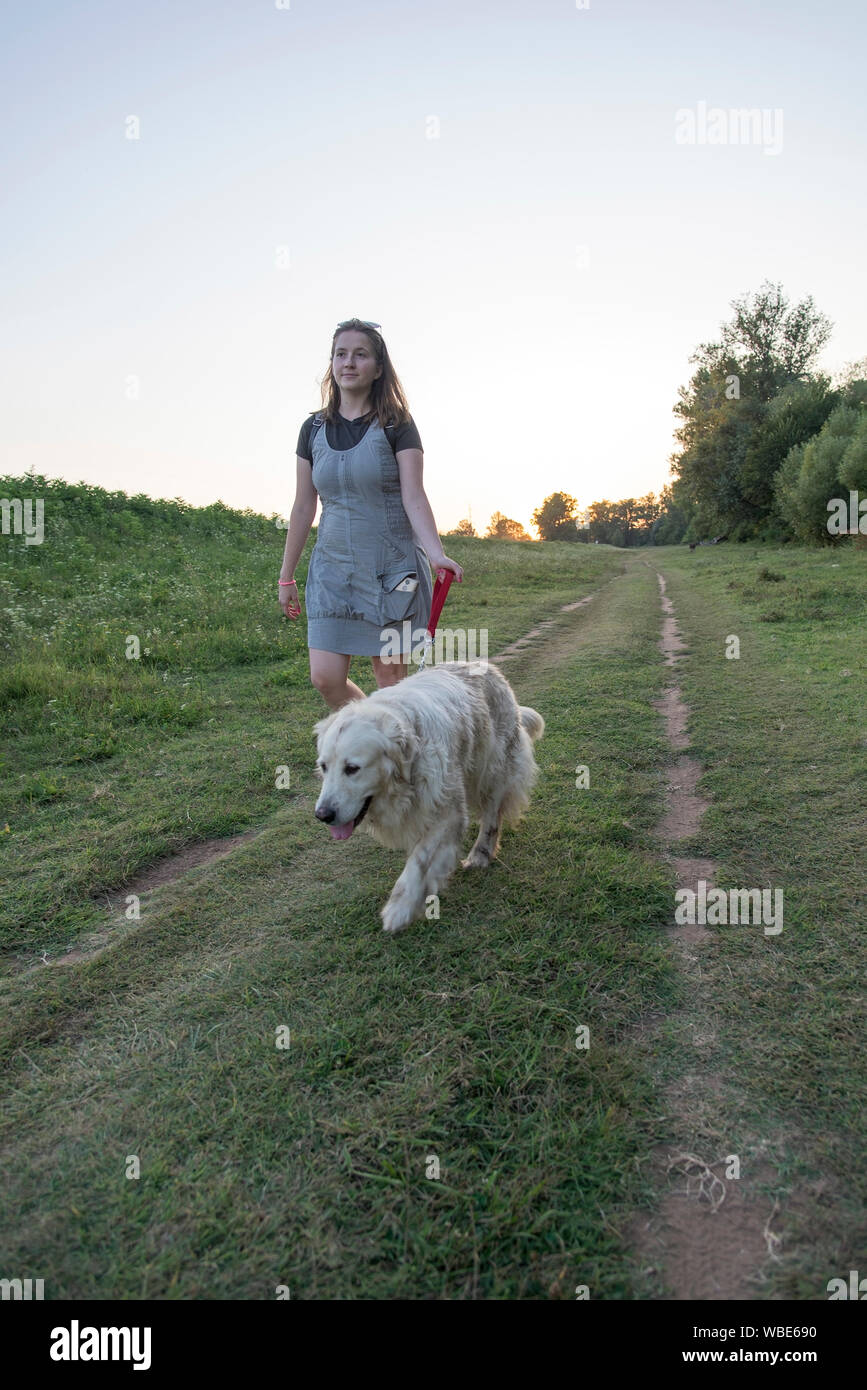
(350, 323)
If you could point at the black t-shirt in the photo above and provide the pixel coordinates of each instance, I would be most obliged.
(345, 434)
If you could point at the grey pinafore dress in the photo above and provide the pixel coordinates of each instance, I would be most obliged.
(364, 547)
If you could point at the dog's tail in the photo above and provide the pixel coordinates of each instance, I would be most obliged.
(532, 721)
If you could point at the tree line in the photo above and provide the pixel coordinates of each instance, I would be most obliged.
(769, 448)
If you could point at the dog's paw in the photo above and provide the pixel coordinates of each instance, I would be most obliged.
(395, 918)
(476, 859)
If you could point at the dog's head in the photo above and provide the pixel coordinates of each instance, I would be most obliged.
(362, 749)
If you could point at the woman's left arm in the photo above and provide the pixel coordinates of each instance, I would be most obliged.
(410, 463)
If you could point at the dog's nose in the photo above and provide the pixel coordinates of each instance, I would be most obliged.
(325, 813)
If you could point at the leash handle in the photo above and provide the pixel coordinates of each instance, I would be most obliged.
(440, 589)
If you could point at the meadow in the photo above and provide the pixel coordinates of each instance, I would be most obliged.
(283, 1081)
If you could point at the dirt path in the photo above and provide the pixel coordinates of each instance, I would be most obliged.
(711, 1235)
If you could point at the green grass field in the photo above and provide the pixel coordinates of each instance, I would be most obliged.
(307, 1165)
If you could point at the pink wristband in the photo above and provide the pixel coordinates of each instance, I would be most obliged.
(286, 581)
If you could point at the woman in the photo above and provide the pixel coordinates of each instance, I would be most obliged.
(368, 589)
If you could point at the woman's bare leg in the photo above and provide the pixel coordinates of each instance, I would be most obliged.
(329, 672)
(389, 672)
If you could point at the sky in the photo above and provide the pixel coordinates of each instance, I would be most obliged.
(194, 194)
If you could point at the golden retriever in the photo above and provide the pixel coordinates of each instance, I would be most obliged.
(412, 760)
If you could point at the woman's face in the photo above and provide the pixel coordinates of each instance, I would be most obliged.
(353, 365)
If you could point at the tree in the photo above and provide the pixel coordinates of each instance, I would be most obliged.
(605, 526)
(750, 400)
(851, 374)
(710, 469)
(853, 474)
(624, 523)
(770, 341)
(811, 475)
(644, 514)
(557, 518)
(463, 528)
(674, 516)
(786, 482)
(793, 416)
(853, 465)
(623, 514)
(503, 528)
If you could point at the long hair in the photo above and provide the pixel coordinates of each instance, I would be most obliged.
(387, 399)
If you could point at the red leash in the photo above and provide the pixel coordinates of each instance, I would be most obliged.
(440, 589)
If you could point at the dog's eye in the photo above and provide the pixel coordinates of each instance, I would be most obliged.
(350, 768)
(322, 767)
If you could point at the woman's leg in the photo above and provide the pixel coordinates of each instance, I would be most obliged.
(329, 672)
(389, 672)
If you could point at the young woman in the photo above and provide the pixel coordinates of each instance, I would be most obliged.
(368, 575)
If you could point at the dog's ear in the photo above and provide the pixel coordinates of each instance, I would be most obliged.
(401, 749)
(322, 724)
(320, 729)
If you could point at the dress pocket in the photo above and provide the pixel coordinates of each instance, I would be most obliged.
(396, 604)
(326, 592)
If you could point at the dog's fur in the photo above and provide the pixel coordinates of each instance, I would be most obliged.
(420, 755)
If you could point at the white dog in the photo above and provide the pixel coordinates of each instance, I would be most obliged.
(409, 762)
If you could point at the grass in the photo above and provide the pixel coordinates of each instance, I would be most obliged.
(781, 734)
(455, 1044)
(108, 763)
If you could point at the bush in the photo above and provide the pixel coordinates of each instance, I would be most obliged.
(853, 468)
(811, 474)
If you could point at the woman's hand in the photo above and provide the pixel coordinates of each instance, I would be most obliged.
(289, 600)
(442, 562)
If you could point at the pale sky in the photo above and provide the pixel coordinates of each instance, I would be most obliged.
(498, 184)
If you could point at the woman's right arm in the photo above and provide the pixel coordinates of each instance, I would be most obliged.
(300, 521)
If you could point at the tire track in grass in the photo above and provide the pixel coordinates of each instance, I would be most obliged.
(174, 866)
(192, 856)
(710, 1235)
(516, 648)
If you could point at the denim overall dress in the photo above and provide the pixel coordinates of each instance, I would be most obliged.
(365, 546)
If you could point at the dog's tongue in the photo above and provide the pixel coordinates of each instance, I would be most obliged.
(342, 832)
